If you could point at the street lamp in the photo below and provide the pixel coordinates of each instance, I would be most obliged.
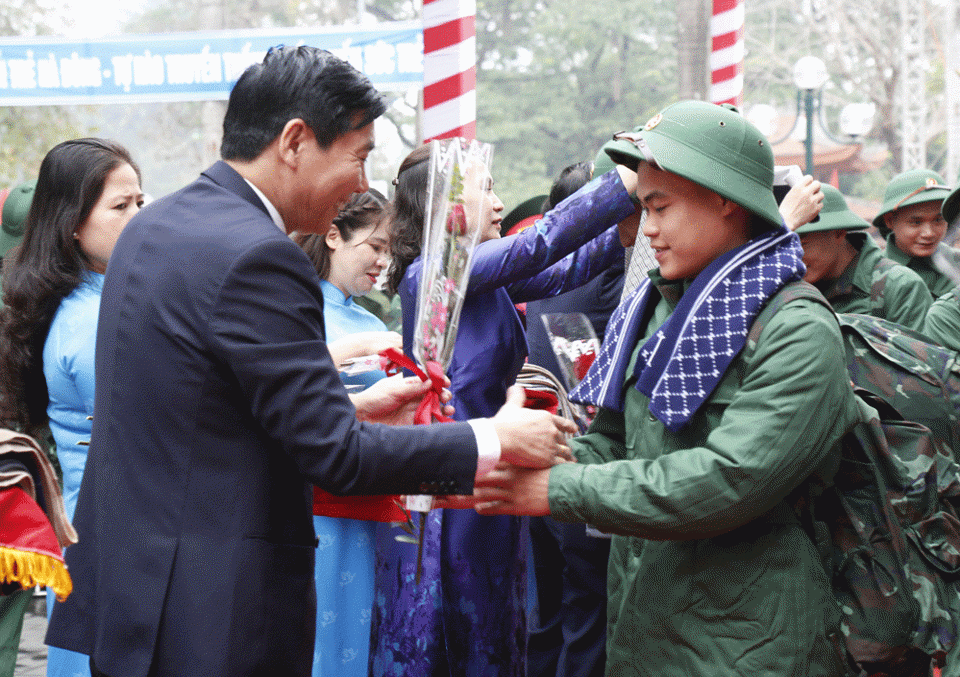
(809, 75)
(856, 119)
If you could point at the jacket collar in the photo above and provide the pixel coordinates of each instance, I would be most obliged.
(859, 272)
(670, 290)
(227, 177)
(896, 254)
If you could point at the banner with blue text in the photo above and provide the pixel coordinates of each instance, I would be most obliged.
(39, 71)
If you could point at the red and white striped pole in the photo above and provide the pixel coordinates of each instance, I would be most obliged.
(449, 69)
(726, 52)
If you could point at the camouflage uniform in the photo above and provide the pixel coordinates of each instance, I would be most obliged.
(874, 285)
(943, 320)
(938, 283)
(711, 572)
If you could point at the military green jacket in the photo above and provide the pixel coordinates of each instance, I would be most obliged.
(710, 572)
(874, 285)
(938, 283)
(943, 320)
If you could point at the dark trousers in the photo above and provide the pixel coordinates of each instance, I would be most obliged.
(568, 627)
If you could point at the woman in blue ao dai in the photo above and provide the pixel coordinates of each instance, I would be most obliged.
(348, 259)
(87, 190)
(466, 618)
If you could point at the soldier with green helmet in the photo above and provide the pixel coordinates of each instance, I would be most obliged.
(845, 263)
(943, 319)
(913, 225)
(702, 436)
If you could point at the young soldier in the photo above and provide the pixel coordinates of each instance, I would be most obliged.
(703, 440)
(911, 221)
(849, 268)
(943, 318)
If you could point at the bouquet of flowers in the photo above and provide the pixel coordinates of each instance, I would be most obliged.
(575, 345)
(458, 175)
(459, 169)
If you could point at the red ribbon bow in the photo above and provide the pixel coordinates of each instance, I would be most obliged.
(431, 408)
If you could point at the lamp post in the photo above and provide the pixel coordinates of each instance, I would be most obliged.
(809, 75)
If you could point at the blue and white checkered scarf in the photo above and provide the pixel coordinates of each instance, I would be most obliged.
(683, 361)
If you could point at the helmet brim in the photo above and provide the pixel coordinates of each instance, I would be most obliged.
(706, 163)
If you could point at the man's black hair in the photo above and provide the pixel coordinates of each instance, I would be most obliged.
(328, 94)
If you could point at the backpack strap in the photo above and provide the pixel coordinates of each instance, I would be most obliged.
(801, 499)
(791, 291)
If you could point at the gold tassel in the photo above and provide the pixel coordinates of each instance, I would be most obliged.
(30, 569)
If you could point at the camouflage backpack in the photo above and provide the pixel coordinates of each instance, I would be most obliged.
(888, 524)
(919, 378)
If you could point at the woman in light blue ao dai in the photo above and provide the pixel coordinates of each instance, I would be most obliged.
(87, 190)
(349, 259)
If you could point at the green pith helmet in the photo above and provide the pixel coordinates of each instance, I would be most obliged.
(15, 210)
(834, 215)
(912, 187)
(711, 145)
(603, 162)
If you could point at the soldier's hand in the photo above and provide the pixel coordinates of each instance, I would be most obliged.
(509, 490)
(529, 438)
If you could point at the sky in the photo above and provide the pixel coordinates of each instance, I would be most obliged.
(96, 18)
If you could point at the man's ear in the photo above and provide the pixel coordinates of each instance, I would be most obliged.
(728, 207)
(292, 141)
(888, 219)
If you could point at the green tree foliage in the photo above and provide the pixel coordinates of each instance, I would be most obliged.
(28, 132)
(556, 78)
(861, 46)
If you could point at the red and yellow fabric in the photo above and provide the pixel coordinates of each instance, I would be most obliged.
(29, 551)
(32, 541)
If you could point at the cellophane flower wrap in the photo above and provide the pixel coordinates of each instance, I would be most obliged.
(458, 179)
(456, 166)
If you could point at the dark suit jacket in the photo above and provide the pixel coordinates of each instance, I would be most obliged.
(217, 406)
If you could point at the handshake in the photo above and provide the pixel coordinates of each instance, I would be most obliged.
(531, 442)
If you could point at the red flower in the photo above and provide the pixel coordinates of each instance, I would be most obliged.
(457, 220)
(582, 365)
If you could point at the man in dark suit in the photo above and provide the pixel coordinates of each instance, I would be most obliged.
(218, 404)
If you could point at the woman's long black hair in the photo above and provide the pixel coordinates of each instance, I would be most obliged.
(45, 267)
(407, 211)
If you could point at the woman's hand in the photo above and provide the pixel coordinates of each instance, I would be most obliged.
(802, 203)
(363, 343)
(394, 400)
